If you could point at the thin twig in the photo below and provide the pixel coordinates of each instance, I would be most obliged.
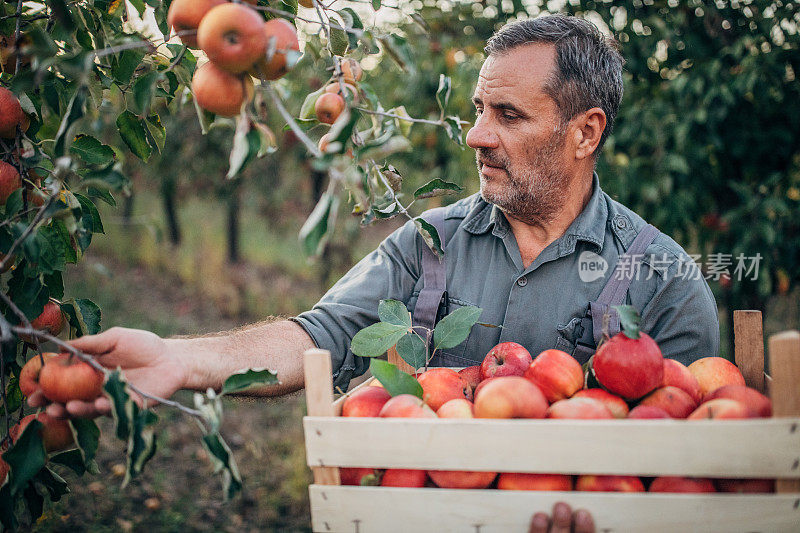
(36, 219)
(290, 120)
(407, 119)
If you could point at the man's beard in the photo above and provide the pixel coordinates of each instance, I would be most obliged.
(534, 194)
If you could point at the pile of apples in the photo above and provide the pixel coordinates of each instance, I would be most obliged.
(633, 380)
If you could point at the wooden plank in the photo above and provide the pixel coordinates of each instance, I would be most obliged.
(765, 447)
(749, 347)
(319, 402)
(337, 404)
(784, 362)
(387, 510)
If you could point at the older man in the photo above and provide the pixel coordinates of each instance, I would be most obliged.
(542, 249)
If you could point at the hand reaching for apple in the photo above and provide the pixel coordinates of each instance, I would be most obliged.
(563, 521)
(144, 359)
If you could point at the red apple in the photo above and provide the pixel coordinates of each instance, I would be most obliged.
(354, 476)
(719, 408)
(480, 386)
(714, 372)
(440, 385)
(50, 320)
(584, 408)
(510, 397)
(56, 433)
(520, 481)
(648, 411)
(745, 486)
(472, 375)
(609, 483)
(681, 484)
(64, 378)
(29, 375)
(615, 404)
(398, 477)
(677, 375)
(506, 359)
(676, 402)
(366, 401)
(406, 406)
(458, 408)
(630, 368)
(758, 405)
(557, 373)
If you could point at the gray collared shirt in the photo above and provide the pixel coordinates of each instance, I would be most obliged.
(540, 306)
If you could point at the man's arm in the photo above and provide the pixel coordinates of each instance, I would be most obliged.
(163, 366)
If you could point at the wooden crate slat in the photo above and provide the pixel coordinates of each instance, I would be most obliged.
(386, 510)
(730, 448)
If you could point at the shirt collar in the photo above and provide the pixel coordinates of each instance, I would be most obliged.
(588, 226)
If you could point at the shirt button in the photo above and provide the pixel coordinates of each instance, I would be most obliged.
(522, 281)
(622, 223)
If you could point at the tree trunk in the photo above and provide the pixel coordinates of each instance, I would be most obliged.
(233, 223)
(168, 189)
(127, 208)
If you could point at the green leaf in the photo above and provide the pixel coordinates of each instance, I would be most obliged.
(443, 92)
(375, 340)
(430, 236)
(75, 111)
(307, 109)
(14, 397)
(121, 404)
(314, 233)
(398, 50)
(352, 20)
(157, 133)
(436, 187)
(250, 377)
(141, 442)
(403, 125)
(629, 319)
(246, 145)
(132, 130)
(339, 42)
(105, 179)
(412, 349)
(454, 329)
(394, 380)
(87, 437)
(29, 294)
(452, 126)
(84, 315)
(54, 484)
(394, 312)
(26, 457)
(124, 64)
(73, 459)
(376, 4)
(92, 151)
(221, 456)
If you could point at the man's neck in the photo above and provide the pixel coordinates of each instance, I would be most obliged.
(532, 238)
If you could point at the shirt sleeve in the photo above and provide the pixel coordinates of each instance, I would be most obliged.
(389, 272)
(682, 314)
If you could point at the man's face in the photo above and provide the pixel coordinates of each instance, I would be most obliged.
(518, 136)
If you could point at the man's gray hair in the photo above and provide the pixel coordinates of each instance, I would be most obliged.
(589, 72)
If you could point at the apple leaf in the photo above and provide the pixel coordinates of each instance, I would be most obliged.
(454, 131)
(92, 151)
(73, 459)
(247, 378)
(222, 458)
(375, 340)
(454, 329)
(307, 109)
(430, 236)
(141, 441)
(83, 315)
(630, 320)
(443, 92)
(55, 484)
(394, 312)
(120, 404)
(87, 436)
(436, 187)
(412, 349)
(26, 457)
(394, 380)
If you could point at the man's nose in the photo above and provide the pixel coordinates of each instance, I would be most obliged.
(482, 136)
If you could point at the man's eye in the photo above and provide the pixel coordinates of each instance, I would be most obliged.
(506, 116)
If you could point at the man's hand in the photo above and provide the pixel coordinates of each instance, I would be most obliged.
(144, 359)
(563, 521)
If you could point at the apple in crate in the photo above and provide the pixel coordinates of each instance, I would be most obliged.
(366, 401)
(615, 404)
(506, 359)
(758, 405)
(356, 476)
(715, 372)
(557, 373)
(677, 375)
(406, 406)
(510, 397)
(399, 477)
(630, 368)
(472, 375)
(440, 385)
(720, 408)
(676, 402)
(648, 411)
(458, 408)
(745, 486)
(579, 408)
(481, 385)
(681, 484)
(609, 483)
(523, 481)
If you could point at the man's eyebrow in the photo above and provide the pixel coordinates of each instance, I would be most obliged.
(499, 105)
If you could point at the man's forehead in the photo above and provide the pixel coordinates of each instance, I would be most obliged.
(519, 73)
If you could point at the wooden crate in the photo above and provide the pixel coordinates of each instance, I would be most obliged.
(758, 448)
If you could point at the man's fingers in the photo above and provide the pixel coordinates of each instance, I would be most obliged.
(79, 409)
(540, 523)
(583, 522)
(103, 405)
(97, 344)
(57, 410)
(37, 399)
(562, 518)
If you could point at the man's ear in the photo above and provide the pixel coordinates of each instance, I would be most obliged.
(589, 127)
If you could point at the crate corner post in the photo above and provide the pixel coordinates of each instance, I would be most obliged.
(748, 332)
(319, 401)
(784, 362)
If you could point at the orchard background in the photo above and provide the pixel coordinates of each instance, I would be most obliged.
(706, 147)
